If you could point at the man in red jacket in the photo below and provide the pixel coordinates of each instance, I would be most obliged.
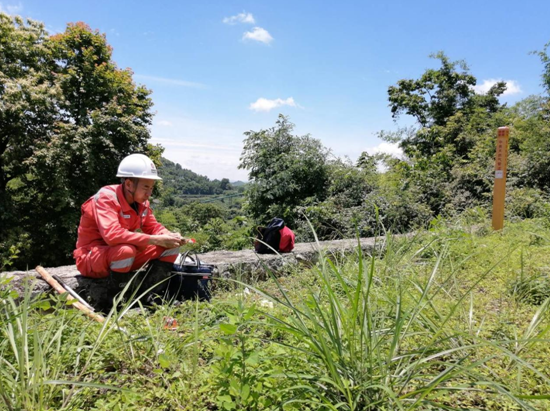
(118, 231)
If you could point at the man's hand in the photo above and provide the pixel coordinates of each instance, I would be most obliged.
(169, 240)
(183, 240)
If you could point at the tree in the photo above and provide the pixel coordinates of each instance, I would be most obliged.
(284, 171)
(28, 96)
(442, 101)
(454, 126)
(531, 141)
(68, 116)
(225, 184)
(545, 60)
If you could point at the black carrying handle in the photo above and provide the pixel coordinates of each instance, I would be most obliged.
(260, 229)
(187, 254)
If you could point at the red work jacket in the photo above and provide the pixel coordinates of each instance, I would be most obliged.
(107, 219)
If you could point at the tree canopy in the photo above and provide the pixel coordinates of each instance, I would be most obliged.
(545, 60)
(284, 170)
(442, 101)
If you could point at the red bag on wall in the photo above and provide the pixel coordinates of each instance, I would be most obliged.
(286, 245)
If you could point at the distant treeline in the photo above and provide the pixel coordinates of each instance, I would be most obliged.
(182, 181)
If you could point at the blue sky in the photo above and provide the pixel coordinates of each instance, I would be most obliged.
(220, 68)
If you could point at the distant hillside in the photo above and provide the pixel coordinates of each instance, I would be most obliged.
(238, 183)
(183, 181)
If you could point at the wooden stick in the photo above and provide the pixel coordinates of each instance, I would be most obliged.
(59, 288)
(72, 292)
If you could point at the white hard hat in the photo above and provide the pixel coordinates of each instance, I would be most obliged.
(138, 166)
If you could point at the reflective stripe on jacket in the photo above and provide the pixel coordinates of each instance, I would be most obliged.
(108, 219)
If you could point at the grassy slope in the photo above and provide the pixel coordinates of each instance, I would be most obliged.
(429, 309)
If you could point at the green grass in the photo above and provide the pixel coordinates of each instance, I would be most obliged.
(454, 318)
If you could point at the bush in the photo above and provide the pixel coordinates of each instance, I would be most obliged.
(527, 202)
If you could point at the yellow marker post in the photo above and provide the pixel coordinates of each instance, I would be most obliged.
(499, 191)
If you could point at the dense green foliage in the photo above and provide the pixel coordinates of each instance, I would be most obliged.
(454, 318)
(214, 226)
(545, 59)
(68, 116)
(284, 170)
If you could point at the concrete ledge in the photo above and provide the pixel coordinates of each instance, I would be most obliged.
(244, 265)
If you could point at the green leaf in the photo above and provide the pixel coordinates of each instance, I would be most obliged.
(228, 328)
(253, 358)
(164, 361)
(235, 386)
(229, 405)
(249, 313)
(42, 305)
(245, 392)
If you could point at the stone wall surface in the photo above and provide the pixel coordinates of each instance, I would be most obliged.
(244, 265)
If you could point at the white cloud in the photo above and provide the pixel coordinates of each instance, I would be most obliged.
(263, 104)
(170, 81)
(512, 86)
(386, 148)
(11, 8)
(243, 17)
(203, 146)
(164, 123)
(212, 160)
(258, 34)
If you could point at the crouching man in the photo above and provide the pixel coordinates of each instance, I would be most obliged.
(118, 232)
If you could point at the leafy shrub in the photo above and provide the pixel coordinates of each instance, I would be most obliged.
(11, 248)
(527, 202)
(398, 212)
(284, 170)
